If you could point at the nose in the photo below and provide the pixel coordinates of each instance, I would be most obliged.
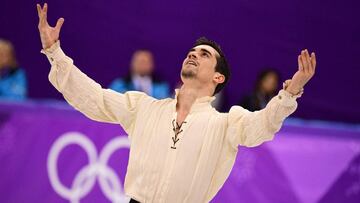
(192, 56)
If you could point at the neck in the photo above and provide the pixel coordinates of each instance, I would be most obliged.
(187, 95)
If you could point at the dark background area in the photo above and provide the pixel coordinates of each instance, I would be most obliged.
(101, 35)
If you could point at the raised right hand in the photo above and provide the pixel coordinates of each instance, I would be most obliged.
(48, 35)
(306, 70)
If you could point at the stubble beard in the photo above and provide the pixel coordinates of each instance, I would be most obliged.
(188, 74)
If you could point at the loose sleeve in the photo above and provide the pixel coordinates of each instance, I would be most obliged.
(89, 97)
(253, 128)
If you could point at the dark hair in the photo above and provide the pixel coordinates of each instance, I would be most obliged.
(221, 64)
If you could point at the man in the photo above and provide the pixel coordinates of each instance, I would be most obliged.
(182, 149)
(141, 77)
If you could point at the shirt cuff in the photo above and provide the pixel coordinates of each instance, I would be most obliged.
(286, 98)
(286, 85)
(54, 53)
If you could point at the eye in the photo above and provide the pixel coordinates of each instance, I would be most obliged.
(205, 54)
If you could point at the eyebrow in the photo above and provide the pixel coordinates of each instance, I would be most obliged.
(202, 49)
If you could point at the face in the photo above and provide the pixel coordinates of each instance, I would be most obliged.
(142, 63)
(269, 83)
(200, 65)
(5, 55)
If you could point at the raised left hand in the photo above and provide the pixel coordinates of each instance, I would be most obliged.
(305, 72)
(48, 34)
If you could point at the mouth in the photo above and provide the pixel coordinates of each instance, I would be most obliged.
(191, 62)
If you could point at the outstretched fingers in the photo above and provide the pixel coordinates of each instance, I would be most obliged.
(38, 7)
(45, 8)
(42, 12)
(304, 61)
(308, 61)
(313, 61)
(301, 67)
(59, 24)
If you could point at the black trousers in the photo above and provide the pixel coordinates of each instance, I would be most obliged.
(133, 201)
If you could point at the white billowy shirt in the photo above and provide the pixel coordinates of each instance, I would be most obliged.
(159, 170)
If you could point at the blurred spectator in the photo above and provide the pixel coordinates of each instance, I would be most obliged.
(265, 88)
(13, 84)
(141, 77)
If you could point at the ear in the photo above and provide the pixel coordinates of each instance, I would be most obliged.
(218, 78)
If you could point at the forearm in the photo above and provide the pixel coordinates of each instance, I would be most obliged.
(254, 128)
(79, 90)
(293, 89)
(279, 108)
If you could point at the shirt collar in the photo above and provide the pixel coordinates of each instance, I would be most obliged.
(200, 103)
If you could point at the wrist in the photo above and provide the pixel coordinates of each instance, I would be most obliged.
(292, 89)
(47, 43)
(52, 49)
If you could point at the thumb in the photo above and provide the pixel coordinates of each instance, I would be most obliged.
(59, 23)
(286, 83)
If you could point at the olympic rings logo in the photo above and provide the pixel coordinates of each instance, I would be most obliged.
(97, 169)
